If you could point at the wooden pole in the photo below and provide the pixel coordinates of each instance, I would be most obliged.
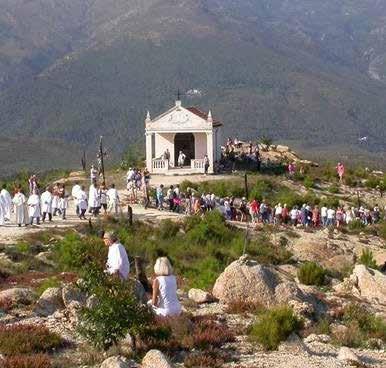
(246, 186)
(102, 159)
(130, 215)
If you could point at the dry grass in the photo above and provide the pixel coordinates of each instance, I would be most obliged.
(27, 339)
(243, 307)
(27, 361)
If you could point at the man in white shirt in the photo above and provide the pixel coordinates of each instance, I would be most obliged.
(117, 260)
(330, 217)
(323, 215)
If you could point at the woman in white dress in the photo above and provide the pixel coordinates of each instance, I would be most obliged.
(20, 203)
(63, 201)
(34, 207)
(164, 300)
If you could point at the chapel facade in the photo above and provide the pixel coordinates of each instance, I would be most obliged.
(182, 129)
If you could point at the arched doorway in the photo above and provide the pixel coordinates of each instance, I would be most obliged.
(184, 142)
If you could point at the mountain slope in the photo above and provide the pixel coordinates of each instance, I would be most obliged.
(262, 73)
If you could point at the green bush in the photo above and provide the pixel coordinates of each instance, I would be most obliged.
(27, 339)
(117, 313)
(212, 227)
(367, 259)
(274, 326)
(372, 182)
(310, 273)
(308, 182)
(74, 251)
(333, 188)
(356, 225)
(168, 229)
(382, 230)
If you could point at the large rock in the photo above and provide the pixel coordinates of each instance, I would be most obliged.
(246, 280)
(200, 296)
(17, 296)
(71, 293)
(347, 355)
(365, 283)
(49, 302)
(155, 359)
(118, 362)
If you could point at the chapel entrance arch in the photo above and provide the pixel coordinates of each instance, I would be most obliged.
(184, 142)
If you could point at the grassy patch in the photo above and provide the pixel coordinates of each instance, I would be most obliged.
(274, 326)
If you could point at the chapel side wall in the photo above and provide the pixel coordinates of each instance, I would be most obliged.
(200, 145)
(162, 142)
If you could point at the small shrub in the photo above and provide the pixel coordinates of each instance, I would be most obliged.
(367, 259)
(310, 273)
(118, 311)
(22, 247)
(334, 189)
(274, 326)
(209, 333)
(27, 339)
(365, 325)
(308, 182)
(213, 359)
(382, 230)
(356, 225)
(27, 361)
(372, 182)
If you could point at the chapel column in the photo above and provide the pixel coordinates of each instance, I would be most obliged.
(209, 151)
(149, 152)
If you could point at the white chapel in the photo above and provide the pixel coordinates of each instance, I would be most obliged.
(185, 129)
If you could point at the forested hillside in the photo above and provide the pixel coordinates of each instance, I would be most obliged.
(308, 72)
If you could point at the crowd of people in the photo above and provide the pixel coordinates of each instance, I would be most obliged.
(231, 152)
(233, 209)
(43, 205)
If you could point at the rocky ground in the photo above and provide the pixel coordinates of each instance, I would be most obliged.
(244, 279)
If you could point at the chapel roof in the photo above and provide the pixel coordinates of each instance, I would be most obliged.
(203, 115)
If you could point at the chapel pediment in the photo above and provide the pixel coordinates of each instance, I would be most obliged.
(181, 118)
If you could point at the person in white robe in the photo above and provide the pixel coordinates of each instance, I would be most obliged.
(113, 200)
(2, 211)
(63, 201)
(181, 159)
(74, 194)
(34, 207)
(20, 203)
(93, 174)
(7, 202)
(81, 202)
(55, 200)
(94, 199)
(46, 204)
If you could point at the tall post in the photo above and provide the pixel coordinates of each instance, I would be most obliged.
(102, 160)
(246, 185)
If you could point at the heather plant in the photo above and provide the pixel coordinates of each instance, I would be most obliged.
(362, 326)
(27, 361)
(27, 339)
(274, 326)
(310, 273)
